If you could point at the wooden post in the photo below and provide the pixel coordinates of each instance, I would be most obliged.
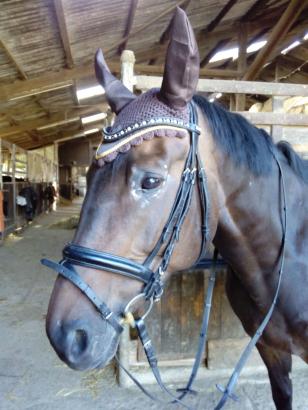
(277, 106)
(14, 183)
(232, 102)
(240, 99)
(1, 165)
(127, 69)
(1, 198)
(56, 162)
(128, 79)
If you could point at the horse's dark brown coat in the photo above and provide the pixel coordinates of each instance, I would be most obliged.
(119, 217)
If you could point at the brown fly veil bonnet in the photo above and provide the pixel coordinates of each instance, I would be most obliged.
(156, 113)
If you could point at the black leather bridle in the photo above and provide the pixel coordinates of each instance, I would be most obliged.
(74, 254)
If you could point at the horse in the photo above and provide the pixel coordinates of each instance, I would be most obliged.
(132, 186)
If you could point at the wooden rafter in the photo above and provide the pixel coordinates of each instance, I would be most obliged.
(206, 59)
(259, 27)
(13, 60)
(66, 77)
(145, 25)
(254, 9)
(64, 32)
(19, 69)
(211, 27)
(52, 121)
(214, 23)
(129, 24)
(287, 70)
(300, 53)
(279, 32)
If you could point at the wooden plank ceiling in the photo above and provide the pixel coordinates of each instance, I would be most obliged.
(47, 48)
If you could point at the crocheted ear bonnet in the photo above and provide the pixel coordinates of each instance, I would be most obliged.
(158, 112)
(141, 120)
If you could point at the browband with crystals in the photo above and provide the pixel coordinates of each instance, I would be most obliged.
(112, 141)
(114, 136)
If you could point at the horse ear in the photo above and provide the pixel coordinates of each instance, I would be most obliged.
(182, 63)
(118, 96)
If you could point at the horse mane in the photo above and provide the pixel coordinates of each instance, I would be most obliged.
(299, 165)
(247, 144)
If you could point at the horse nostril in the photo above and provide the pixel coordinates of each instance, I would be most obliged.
(80, 342)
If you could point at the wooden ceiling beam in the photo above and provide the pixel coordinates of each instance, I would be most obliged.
(13, 60)
(214, 23)
(300, 53)
(57, 137)
(206, 59)
(30, 125)
(66, 77)
(60, 14)
(129, 24)
(279, 32)
(251, 13)
(20, 71)
(211, 27)
(232, 31)
(256, 28)
(145, 26)
(52, 121)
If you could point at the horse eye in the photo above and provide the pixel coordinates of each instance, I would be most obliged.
(151, 182)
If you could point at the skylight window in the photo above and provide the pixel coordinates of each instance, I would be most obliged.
(292, 45)
(94, 118)
(256, 46)
(89, 92)
(215, 96)
(233, 52)
(91, 131)
(225, 54)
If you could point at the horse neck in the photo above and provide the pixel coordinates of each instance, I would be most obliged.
(249, 220)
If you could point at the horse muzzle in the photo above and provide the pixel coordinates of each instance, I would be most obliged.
(80, 345)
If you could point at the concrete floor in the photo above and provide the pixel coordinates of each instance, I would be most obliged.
(32, 377)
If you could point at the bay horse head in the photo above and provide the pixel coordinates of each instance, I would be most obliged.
(174, 173)
(133, 184)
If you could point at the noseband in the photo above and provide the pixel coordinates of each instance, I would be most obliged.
(74, 254)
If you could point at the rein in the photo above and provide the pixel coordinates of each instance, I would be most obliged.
(74, 254)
